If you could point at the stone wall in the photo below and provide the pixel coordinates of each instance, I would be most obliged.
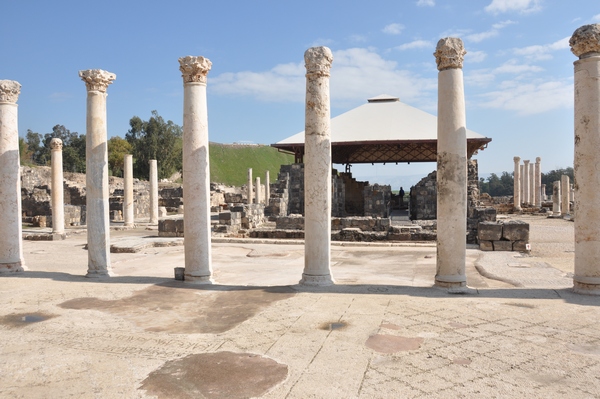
(278, 202)
(354, 195)
(512, 235)
(377, 200)
(423, 198)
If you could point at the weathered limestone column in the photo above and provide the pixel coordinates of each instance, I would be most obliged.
(517, 185)
(585, 44)
(258, 193)
(556, 208)
(543, 190)
(532, 184)
(317, 169)
(538, 182)
(11, 241)
(571, 193)
(128, 191)
(196, 171)
(451, 165)
(96, 160)
(526, 199)
(250, 190)
(565, 186)
(58, 195)
(267, 188)
(153, 192)
(521, 185)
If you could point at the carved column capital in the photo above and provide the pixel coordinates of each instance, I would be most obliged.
(318, 62)
(9, 91)
(97, 79)
(585, 41)
(56, 144)
(526, 162)
(194, 69)
(538, 160)
(517, 159)
(449, 53)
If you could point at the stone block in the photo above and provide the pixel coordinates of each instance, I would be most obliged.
(503, 245)
(489, 231)
(515, 230)
(520, 246)
(485, 245)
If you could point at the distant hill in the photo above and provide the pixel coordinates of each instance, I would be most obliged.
(229, 163)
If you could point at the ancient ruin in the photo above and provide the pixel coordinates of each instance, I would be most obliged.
(58, 197)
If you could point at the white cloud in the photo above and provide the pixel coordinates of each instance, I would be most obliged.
(416, 44)
(393, 29)
(426, 3)
(520, 6)
(542, 52)
(358, 38)
(495, 31)
(532, 98)
(596, 17)
(322, 42)
(479, 78)
(475, 56)
(512, 66)
(356, 74)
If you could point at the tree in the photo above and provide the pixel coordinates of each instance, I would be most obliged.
(24, 153)
(117, 149)
(155, 139)
(555, 175)
(73, 148)
(498, 186)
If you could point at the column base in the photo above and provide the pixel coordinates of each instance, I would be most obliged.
(58, 236)
(190, 279)
(586, 289)
(99, 274)
(15, 267)
(316, 281)
(454, 281)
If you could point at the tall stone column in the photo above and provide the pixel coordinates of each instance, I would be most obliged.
(556, 208)
(58, 202)
(538, 182)
(249, 188)
(522, 173)
(258, 194)
(96, 161)
(11, 241)
(317, 168)
(128, 191)
(543, 191)
(267, 188)
(571, 193)
(196, 171)
(451, 165)
(526, 199)
(585, 44)
(532, 184)
(565, 187)
(153, 211)
(517, 185)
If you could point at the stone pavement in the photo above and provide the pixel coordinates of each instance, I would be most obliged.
(381, 332)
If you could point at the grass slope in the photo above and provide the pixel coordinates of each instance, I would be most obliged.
(229, 163)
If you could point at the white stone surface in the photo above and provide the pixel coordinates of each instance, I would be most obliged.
(451, 166)
(153, 211)
(532, 184)
(96, 157)
(522, 174)
(317, 168)
(128, 191)
(11, 242)
(565, 189)
(57, 191)
(543, 190)
(526, 199)
(585, 44)
(250, 192)
(196, 171)
(517, 184)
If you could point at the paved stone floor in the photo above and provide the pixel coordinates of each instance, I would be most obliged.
(381, 332)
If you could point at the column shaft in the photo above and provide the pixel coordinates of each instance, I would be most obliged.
(128, 214)
(153, 211)
(565, 188)
(517, 185)
(317, 169)
(267, 188)
(258, 193)
(58, 203)
(250, 190)
(538, 182)
(526, 182)
(556, 198)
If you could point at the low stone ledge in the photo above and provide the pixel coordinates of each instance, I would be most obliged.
(510, 235)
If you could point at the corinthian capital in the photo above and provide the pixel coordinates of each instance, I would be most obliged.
(97, 79)
(9, 91)
(194, 69)
(318, 61)
(56, 144)
(449, 53)
(517, 159)
(585, 41)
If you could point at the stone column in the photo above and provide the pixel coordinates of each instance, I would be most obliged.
(522, 174)
(317, 169)
(250, 190)
(451, 165)
(128, 191)
(153, 192)
(11, 241)
(196, 171)
(556, 208)
(517, 185)
(572, 193)
(526, 182)
(267, 188)
(258, 192)
(543, 190)
(585, 44)
(538, 182)
(96, 161)
(532, 184)
(565, 187)
(58, 202)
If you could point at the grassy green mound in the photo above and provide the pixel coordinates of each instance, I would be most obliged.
(229, 163)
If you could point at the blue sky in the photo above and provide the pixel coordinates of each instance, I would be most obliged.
(518, 70)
